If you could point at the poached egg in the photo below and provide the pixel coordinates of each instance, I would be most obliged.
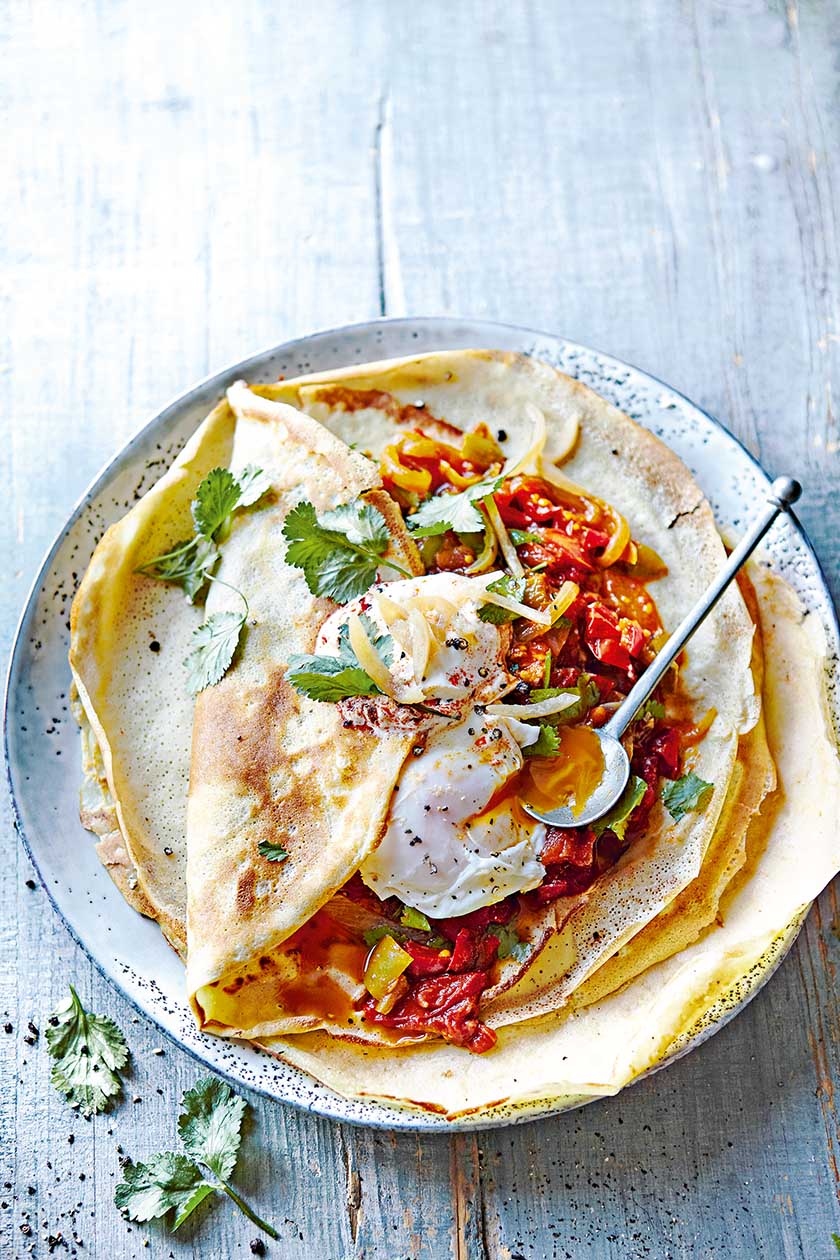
(444, 852)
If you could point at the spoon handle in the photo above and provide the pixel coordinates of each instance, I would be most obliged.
(785, 492)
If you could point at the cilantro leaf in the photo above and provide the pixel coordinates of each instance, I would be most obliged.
(412, 918)
(329, 678)
(88, 1050)
(686, 794)
(835, 1238)
(520, 536)
(587, 696)
(510, 944)
(222, 492)
(618, 817)
(253, 484)
(167, 1181)
(507, 584)
(271, 852)
(210, 1129)
(188, 565)
(216, 641)
(548, 744)
(216, 498)
(210, 1125)
(652, 709)
(340, 551)
(452, 511)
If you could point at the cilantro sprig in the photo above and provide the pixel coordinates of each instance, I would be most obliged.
(89, 1051)
(339, 551)
(618, 817)
(190, 564)
(685, 795)
(210, 1127)
(334, 678)
(458, 512)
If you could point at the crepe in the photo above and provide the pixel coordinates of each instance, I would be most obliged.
(646, 482)
(268, 764)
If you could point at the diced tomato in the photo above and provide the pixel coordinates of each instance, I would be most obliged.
(568, 844)
(611, 639)
(426, 961)
(446, 1005)
(666, 745)
(499, 912)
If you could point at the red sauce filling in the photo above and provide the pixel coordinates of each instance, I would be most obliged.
(601, 645)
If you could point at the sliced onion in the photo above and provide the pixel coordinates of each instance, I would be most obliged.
(534, 450)
(564, 598)
(421, 643)
(514, 606)
(542, 708)
(367, 655)
(389, 610)
(617, 545)
(621, 535)
(500, 530)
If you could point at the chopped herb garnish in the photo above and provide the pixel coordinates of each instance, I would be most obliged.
(618, 817)
(453, 511)
(190, 564)
(272, 852)
(210, 1128)
(547, 669)
(329, 678)
(89, 1051)
(510, 943)
(685, 795)
(652, 709)
(548, 744)
(339, 551)
(520, 536)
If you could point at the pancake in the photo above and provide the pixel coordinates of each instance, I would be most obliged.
(273, 946)
(259, 990)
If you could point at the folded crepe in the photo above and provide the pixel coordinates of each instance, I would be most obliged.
(261, 968)
(274, 946)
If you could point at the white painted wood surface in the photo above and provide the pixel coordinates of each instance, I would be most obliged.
(187, 182)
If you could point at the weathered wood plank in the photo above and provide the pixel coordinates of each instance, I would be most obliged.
(657, 180)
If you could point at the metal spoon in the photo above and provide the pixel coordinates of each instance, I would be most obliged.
(785, 491)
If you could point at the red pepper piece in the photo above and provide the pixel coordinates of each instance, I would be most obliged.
(574, 845)
(446, 1005)
(425, 961)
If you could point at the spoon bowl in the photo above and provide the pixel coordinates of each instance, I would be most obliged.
(614, 780)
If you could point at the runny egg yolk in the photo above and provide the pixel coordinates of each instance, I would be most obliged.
(570, 777)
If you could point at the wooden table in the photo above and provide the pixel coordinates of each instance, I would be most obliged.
(186, 183)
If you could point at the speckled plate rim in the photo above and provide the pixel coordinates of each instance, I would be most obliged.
(611, 377)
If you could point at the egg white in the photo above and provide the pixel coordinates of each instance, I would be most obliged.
(443, 853)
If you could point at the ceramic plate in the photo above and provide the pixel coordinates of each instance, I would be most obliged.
(42, 746)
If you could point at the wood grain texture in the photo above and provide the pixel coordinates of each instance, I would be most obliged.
(187, 183)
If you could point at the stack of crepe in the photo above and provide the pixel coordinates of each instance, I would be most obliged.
(182, 790)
